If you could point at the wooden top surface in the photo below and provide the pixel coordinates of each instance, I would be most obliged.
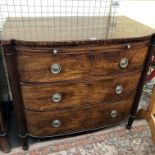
(73, 28)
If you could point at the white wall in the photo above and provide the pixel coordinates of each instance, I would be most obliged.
(140, 10)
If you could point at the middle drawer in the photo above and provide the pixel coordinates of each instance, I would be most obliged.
(60, 95)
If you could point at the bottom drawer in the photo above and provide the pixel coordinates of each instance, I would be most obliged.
(77, 119)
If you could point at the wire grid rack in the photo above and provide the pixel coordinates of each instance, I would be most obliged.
(57, 20)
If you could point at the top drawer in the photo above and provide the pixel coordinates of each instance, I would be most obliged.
(36, 66)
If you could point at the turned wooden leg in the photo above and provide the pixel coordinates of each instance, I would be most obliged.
(4, 144)
(10, 57)
(25, 143)
(130, 122)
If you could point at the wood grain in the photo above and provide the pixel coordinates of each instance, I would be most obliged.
(80, 47)
(35, 67)
(91, 91)
(90, 70)
(78, 119)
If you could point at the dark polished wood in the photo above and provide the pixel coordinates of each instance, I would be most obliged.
(4, 143)
(4, 110)
(78, 62)
(10, 58)
(136, 56)
(89, 91)
(90, 72)
(148, 60)
(92, 83)
(73, 120)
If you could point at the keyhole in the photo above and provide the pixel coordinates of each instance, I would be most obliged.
(91, 57)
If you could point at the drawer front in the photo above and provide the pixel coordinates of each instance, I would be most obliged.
(42, 96)
(45, 67)
(77, 119)
(38, 67)
(82, 47)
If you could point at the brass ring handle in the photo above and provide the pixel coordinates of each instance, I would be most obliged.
(114, 113)
(55, 68)
(119, 89)
(56, 123)
(124, 63)
(56, 97)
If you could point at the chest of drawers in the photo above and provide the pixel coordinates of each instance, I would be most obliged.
(61, 88)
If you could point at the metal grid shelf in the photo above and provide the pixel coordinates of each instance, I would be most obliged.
(57, 19)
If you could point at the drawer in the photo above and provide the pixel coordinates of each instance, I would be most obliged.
(46, 67)
(60, 95)
(77, 119)
(80, 47)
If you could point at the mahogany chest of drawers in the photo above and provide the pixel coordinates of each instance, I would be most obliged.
(67, 87)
